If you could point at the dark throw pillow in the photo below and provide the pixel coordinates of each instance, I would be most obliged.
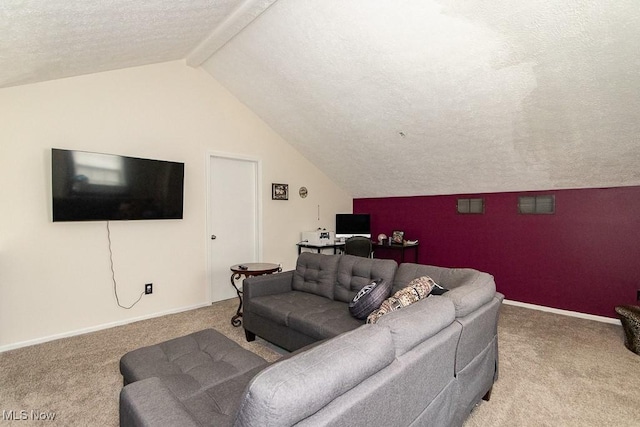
(369, 298)
(438, 290)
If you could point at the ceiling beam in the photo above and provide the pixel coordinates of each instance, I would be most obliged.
(242, 16)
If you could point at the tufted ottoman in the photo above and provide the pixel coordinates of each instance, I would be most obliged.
(205, 357)
(205, 371)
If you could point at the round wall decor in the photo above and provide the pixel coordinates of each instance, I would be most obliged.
(303, 192)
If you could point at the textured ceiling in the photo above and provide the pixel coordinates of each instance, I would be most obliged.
(49, 39)
(422, 97)
(388, 97)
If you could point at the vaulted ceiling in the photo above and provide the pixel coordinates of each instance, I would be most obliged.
(389, 98)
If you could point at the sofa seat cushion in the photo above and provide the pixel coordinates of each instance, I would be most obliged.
(469, 289)
(193, 362)
(312, 315)
(323, 322)
(166, 401)
(278, 307)
(217, 403)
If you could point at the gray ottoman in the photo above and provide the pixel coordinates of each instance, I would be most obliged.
(205, 371)
(206, 357)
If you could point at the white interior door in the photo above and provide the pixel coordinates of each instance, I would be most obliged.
(233, 220)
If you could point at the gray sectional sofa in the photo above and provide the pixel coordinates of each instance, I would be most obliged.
(425, 364)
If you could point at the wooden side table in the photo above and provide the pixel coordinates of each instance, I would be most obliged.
(399, 247)
(248, 269)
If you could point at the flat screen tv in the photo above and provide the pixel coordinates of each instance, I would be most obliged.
(348, 225)
(104, 187)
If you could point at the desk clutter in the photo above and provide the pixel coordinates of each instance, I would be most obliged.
(322, 240)
(323, 237)
(320, 237)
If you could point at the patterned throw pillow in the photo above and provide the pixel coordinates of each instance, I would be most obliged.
(369, 298)
(417, 289)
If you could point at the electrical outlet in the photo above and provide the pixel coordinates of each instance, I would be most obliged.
(148, 288)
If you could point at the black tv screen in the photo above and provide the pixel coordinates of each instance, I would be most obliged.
(353, 225)
(104, 187)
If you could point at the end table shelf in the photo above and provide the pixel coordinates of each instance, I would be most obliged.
(251, 269)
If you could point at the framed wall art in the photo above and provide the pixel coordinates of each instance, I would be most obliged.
(397, 237)
(279, 191)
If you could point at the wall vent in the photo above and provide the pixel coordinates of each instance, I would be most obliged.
(533, 205)
(471, 206)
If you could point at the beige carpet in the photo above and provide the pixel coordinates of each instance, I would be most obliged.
(554, 371)
(561, 371)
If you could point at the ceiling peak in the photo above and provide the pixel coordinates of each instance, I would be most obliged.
(242, 16)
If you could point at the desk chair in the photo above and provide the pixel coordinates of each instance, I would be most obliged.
(358, 246)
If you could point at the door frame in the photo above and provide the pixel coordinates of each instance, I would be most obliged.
(258, 214)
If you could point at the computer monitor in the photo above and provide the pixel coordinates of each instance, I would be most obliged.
(349, 225)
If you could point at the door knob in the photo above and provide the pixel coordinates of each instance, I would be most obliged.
(214, 237)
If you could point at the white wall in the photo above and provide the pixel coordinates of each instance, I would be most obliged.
(54, 277)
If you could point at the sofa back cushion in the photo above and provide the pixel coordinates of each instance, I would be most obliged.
(297, 387)
(316, 274)
(469, 289)
(418, 322)
(356, 272)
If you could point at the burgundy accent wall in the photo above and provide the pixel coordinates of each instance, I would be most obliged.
(584, 258)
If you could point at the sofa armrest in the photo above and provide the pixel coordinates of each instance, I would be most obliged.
(477, 291)
(268, 284)
(150, 403)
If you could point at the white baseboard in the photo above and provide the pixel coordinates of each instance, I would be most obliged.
(564, 312)
(96, 328)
